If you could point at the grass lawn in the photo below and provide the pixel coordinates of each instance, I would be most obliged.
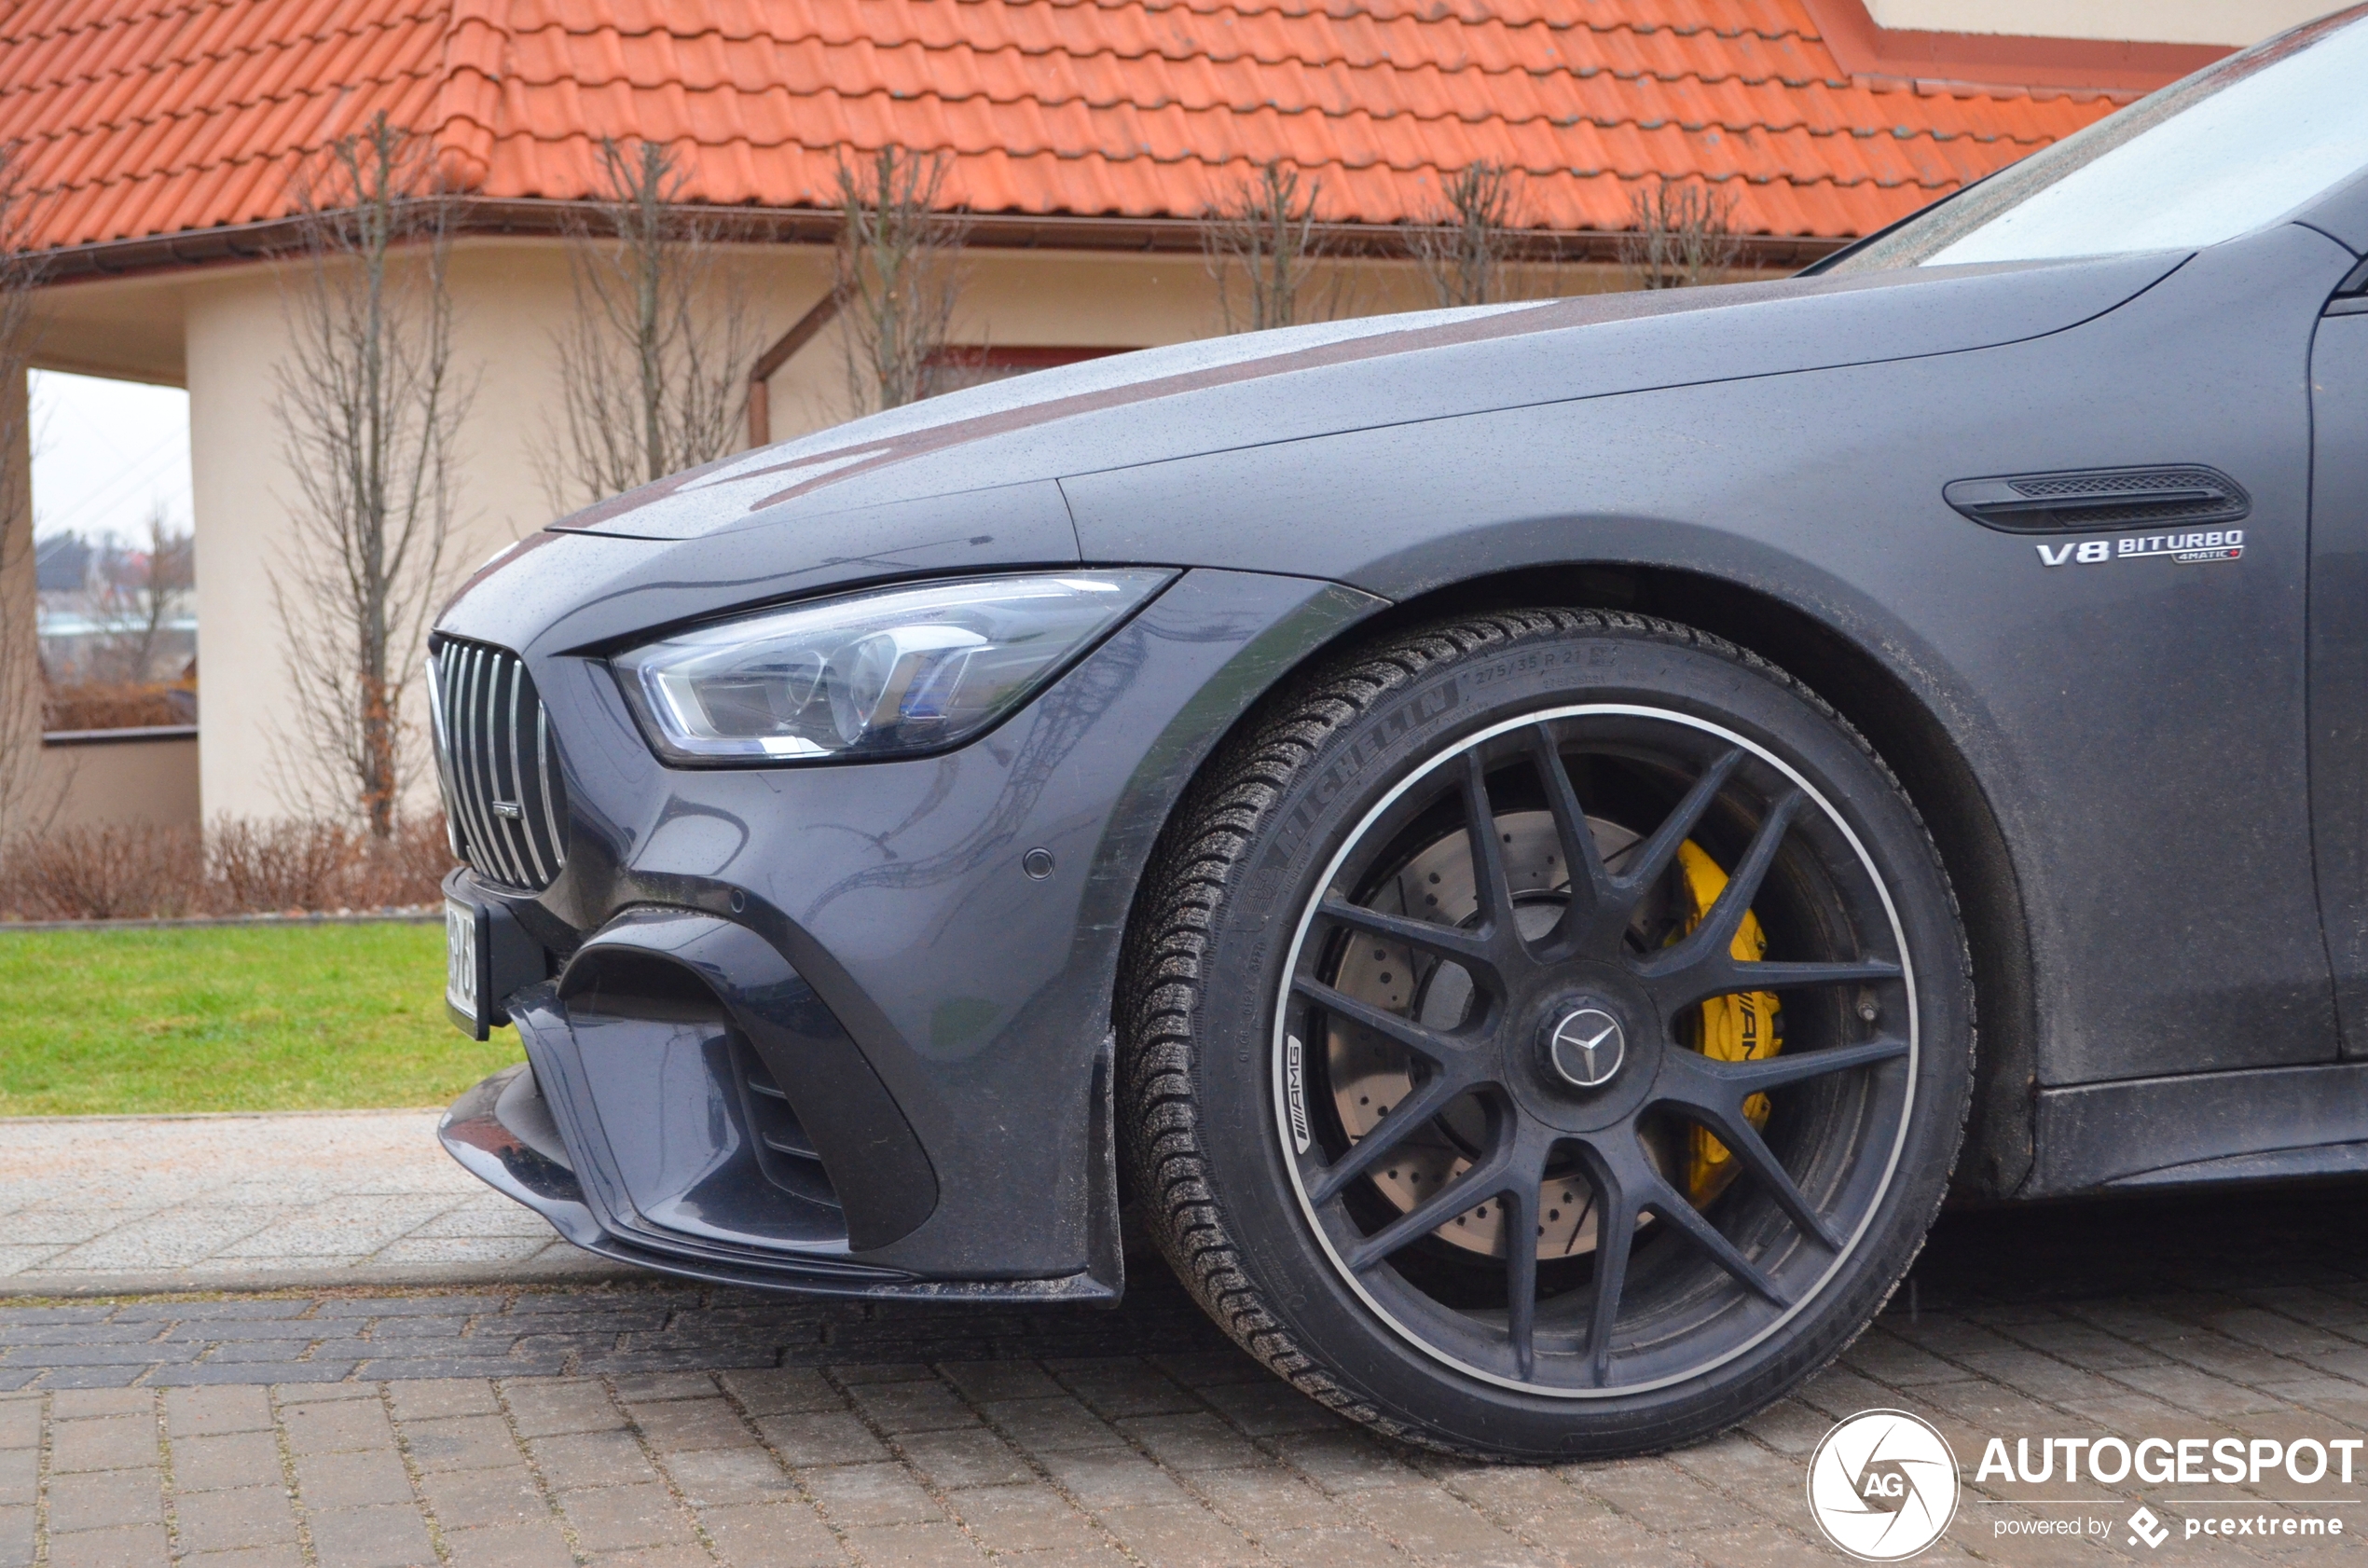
(231, 1018)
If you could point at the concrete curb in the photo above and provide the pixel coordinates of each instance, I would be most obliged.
(579, 1269)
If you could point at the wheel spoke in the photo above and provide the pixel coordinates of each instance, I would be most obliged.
(1751, 1150)
(1431, 1046)
(1615, 1234)
(1681, 986)
(1646, 865)
(1469, 1191)
(1521, 1264)
(1712, 941)
(1771, 1073)
(1592, 893)
(1491, 881)
(1408, 1115)
(1674, 1211)
(1428, 936)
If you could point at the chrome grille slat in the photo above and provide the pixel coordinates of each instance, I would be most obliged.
(492, 753)
(517, 779)
(505, 833)
(473, 759)
(493, 746)
(464, 668)
(550, 819)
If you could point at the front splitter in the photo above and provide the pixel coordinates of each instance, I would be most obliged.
(521, 1158)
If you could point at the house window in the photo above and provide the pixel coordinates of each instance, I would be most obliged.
(113, 559)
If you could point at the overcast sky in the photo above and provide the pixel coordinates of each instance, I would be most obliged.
(105, 454)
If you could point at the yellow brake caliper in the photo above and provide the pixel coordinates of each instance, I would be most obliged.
(1741, 1028)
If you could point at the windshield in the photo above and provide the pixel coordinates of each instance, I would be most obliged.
(2220, 153)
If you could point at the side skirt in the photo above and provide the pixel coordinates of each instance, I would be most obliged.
(2202, 1127)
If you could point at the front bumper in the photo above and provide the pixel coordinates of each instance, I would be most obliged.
(935, 1014)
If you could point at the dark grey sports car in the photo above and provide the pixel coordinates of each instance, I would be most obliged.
(1485, 833)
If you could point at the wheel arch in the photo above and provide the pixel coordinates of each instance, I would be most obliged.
(1999, 1149)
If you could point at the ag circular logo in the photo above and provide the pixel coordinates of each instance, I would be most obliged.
(1882, 1485)
(1587, 1046)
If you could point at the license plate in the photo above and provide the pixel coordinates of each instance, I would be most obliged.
(460, 965)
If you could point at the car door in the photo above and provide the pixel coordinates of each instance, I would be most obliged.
(2339, 644)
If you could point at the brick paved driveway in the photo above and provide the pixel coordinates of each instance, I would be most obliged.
(657, 1427)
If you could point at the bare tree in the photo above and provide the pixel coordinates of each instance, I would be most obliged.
(653, 363)
(898, 275)
(1465, 248)
(1266, 255)
(140, 593)
(368, 408)
(1681, 233)
(27, 800)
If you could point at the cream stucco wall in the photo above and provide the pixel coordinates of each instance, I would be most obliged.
(2160, 22)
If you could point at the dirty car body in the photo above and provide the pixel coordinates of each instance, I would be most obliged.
(2047, 530)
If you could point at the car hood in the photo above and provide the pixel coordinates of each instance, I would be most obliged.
(1259, 388)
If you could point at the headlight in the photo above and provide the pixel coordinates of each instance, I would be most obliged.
(875, 674)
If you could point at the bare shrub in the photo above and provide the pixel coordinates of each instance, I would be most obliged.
(109, 705)
(1681, 234)
(136, 871)
(368, 411)
(261, 866)
(898, 275)
(1464, 249)
(1269, 261)
(405, 871)
(654, 363)
(121, 871)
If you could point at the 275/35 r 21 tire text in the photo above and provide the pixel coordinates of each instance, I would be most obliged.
(1546, 1034)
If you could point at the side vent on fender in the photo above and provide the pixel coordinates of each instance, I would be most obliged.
(2099, 498)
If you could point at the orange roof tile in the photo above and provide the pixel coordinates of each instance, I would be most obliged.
(149, 117)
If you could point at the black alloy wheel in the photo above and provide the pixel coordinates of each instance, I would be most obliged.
(1548, 1035)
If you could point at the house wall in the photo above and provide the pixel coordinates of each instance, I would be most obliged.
(2160, 22)
(142, 776)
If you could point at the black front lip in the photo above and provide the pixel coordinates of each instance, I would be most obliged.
(475, 1132)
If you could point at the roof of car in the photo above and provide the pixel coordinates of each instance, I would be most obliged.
(138, 119)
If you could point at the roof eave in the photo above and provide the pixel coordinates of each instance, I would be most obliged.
(480, 216)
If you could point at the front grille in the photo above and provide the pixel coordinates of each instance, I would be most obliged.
(494, 756)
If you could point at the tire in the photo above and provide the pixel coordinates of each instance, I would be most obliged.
(1292, 975)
